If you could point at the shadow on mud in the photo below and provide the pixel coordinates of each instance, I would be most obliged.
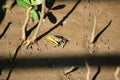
(14, 63)
(5, 30)
(62, 61)
(102, 31)
(2, 11)
(67, 61)
(52, 62)
(50, 6)
(61, 21)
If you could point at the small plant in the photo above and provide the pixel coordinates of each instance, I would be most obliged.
(30, 5)
(92, 39)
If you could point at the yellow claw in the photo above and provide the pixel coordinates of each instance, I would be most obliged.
(54, 40)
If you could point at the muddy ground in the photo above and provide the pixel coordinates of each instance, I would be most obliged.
(75, 23)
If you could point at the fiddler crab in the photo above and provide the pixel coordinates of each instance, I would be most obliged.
(56, 40)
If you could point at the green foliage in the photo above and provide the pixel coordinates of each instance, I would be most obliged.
(27, 3)
(33, 2)
(22, 4)
(35, 15)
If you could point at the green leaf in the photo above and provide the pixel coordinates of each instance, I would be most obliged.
(36, 2)
(27, 1)
(23, 4)
(35, 14)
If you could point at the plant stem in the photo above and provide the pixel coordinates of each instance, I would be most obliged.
(93, 31)
(88, 70)
(25, 24)
(117, 73)
(9, 52)
(40, 22)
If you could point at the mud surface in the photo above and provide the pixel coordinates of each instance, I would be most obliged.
(75, 23)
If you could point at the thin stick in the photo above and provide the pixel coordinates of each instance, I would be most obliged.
(71, 69)
(25, 24)
(88, 70)
(116, 73)
(93, 31)
(40, 22)
(9, 52)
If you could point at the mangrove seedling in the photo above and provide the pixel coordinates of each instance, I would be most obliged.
(93, 32)
(29, 6)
